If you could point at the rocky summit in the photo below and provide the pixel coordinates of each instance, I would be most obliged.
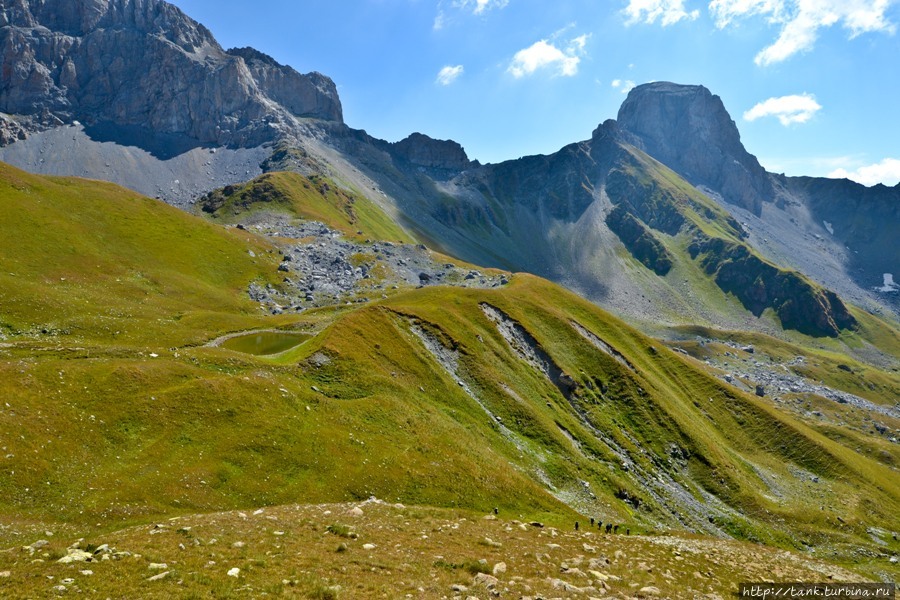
(687, 128)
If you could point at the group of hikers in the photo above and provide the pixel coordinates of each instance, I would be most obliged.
(610, 528)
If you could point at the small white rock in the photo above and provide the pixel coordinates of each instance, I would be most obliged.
(368, 546)
(235, 572)
(158, 566)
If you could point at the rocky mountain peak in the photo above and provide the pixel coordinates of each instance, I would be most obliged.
(144, 63)
(688, 128)
(423, 151)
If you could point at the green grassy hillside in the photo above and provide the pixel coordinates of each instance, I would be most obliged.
(525, 397)
(90, 260)
(316, 198)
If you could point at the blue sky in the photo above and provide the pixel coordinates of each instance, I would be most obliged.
(813, 85)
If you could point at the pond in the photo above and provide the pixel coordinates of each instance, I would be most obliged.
(265, 342)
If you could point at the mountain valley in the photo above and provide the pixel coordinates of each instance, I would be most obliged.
(645, 328)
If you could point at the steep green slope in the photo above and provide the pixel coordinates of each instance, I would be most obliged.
(524, 397)
(657, 197)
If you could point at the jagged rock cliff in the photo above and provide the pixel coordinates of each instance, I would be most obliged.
(144, 63)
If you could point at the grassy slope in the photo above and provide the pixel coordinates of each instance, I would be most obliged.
(96, 432)
(90, 260)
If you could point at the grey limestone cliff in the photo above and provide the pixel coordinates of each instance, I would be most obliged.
(143, 63)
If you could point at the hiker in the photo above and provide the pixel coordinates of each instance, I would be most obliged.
(592, 521)
(608, 527)
(576, 525)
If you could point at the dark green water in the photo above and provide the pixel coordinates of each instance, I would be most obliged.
(268, 342)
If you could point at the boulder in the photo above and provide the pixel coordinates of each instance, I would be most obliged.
(76, 555)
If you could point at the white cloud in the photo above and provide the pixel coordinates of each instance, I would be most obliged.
(801, 20)
(725, 12)
(440, 20)
(668, 12)
(545, 54)
(625, 86)
(449, 74)
(887, 172)
(788, 109)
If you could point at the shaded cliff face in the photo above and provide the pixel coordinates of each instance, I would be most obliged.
(688, 129)
(422, 151)
(144, 63)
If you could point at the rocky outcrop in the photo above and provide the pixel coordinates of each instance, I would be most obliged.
(312, 95)
(144, 63)
(800, 304)
(422, 151)
(11, 131)
(639, 240)
(688, 129)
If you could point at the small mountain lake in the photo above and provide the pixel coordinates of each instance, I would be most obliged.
(265, 342)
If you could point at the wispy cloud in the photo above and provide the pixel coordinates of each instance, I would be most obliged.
(887, 172)
(480, 6)
(667, 12)
(801, 20)
(545, 54)
(789, 109)
(448, 9)
(449, 74)
(623, 86)
(440, 20)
